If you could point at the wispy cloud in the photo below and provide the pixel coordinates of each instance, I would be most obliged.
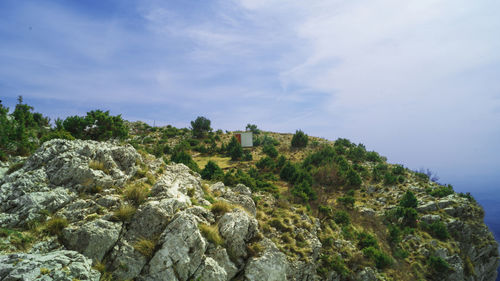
(416, 80)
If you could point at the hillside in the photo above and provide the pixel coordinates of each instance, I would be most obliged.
(162, 203)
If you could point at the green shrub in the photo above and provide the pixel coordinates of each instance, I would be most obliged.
(408, 200)
(347, 201)
(97, 125)
(357, 153)
(341, 217)
(422, 177)
(212, 171)
(410, 216)
(328, 175)
(234, 149)
(389, 178)
(57, 134)
(365, 240)
(379, 171)
(398, 170)
(442, 191)
(266, 164)
(304, 191)
(381, 259)
(353, 179)
(299, 139)
(181, 156)
(437, 265)
(270, 150)
(437, 229)
(373, 156)
(288, 172)
(326, 154)
(394, 234)
(334, 263)
(253, 128)
(200, 126)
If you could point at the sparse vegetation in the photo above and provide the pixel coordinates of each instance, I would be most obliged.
(124, 213)
(136, 193)
(145, 247)
(211, 233)
(55, 225)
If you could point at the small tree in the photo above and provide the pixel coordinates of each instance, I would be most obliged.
(409, 200)
(212, 171)
(200, 126)
(234, 149)
(253, 128)
(299, 139)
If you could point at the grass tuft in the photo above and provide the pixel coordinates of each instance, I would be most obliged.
(56, 225)
(145, 246)
(136, 193)
(211, 232)
(124, 213)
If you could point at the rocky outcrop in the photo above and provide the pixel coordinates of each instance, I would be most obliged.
(173, 234)
(56, 265)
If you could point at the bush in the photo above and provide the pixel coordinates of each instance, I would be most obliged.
(212, 171)
(410, 216)
(379, 171)
(347, 201)
(437, 265)
(381, 259)
(408, 200)
(353, 179)
(270, 150)
(181, 156)
(234, 149)
(365, 240)
(326, 154)
(200, 127)
(97, 125)
(253, 128)
(328, 175)
(304, 191)
(211, 233)
(357, 153)
(266, 164)
(288, 172)
(334, 263)
(373, 156)
(299, 139)
(57, 134)
(437, 229)
(394, 234)
(398, 170)
(442, 191)
(341, 217)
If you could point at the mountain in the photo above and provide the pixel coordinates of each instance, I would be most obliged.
(162, 204)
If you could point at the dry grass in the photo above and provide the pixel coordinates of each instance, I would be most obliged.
(98, 165)
(145, 246)
(55, 225)
(219, 208)
(222, 162)
(211, 232)
(136, 193)
(124, 213)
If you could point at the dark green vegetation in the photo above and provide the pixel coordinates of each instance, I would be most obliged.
(306, 177)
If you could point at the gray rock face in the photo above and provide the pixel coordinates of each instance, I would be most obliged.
(237, 228)
(181, 252)
(176, 181)
(271, 266)
(239, 195)
(57, 265)
(92, 239)
(50, 177)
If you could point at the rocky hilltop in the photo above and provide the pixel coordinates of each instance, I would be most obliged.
(87, 210)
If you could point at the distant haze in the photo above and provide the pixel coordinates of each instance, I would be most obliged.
(417, 81)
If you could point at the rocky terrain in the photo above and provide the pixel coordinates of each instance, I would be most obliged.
(86, 210)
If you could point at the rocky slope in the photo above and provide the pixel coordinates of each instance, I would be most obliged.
(85, 210)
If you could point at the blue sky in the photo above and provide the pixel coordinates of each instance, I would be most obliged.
(417, 81)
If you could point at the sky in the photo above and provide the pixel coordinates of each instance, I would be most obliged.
(417, 81)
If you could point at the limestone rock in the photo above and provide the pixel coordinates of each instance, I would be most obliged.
(271, 266)
(92, 239)
(237, 228)
(57, 265)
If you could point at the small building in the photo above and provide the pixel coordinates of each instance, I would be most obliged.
(244, 138)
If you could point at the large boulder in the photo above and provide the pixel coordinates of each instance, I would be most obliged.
(237, 228)
(93, 239)
(271, 265)
(58, 265)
